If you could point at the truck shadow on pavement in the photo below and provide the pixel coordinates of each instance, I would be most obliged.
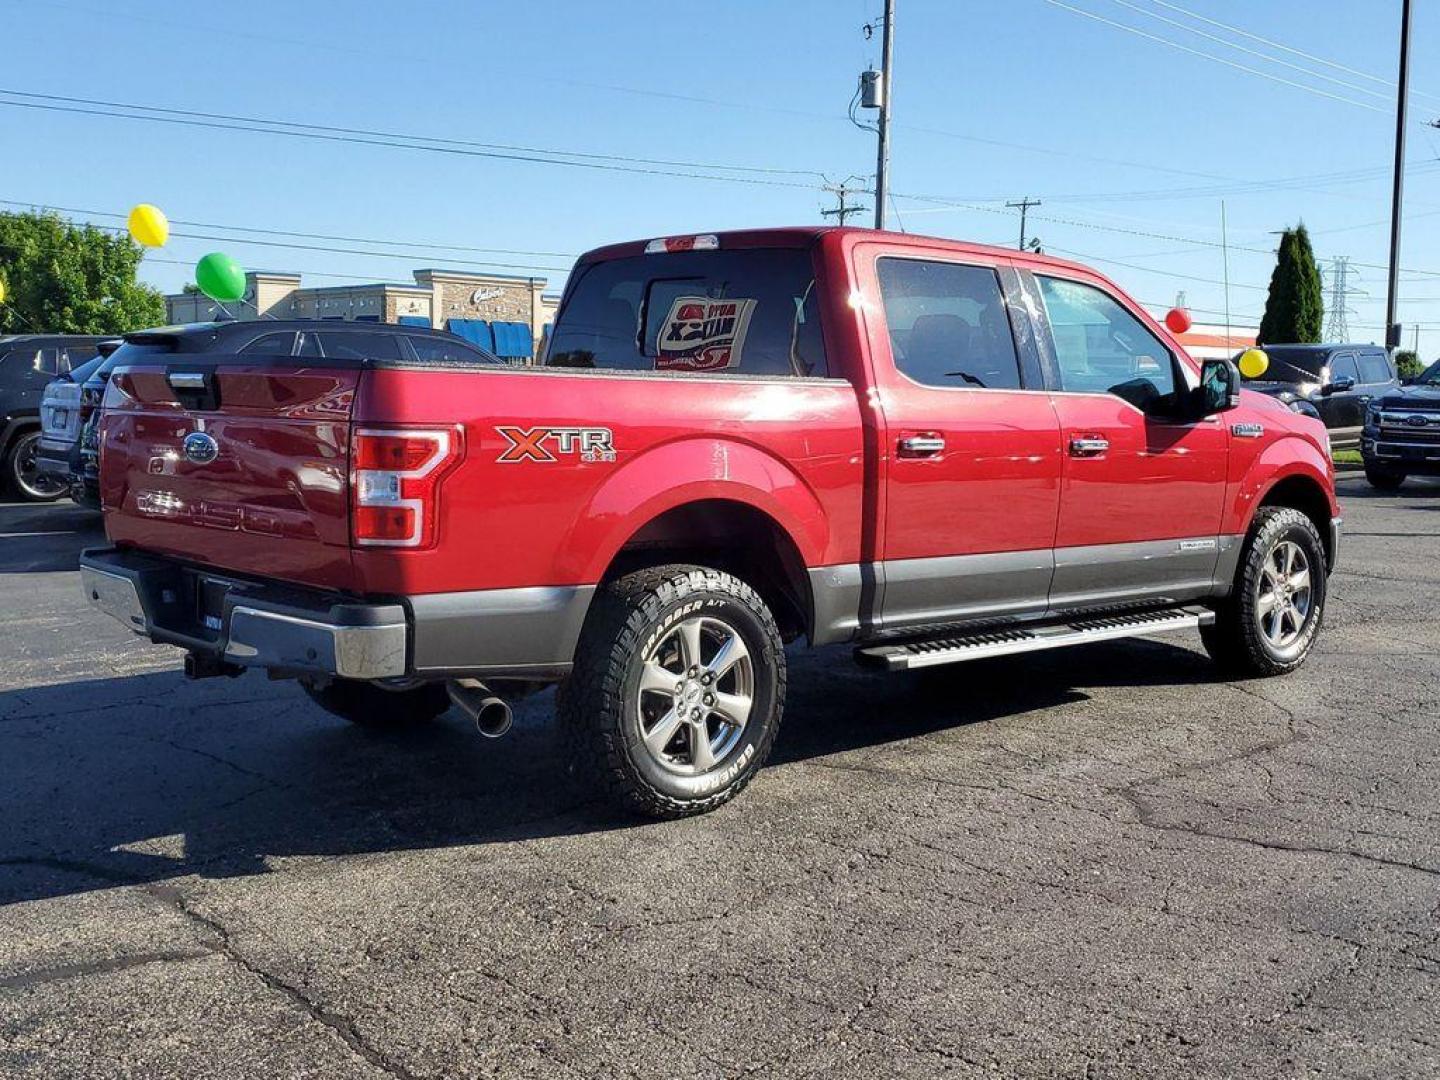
(141, 779)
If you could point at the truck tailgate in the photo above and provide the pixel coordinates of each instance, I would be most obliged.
(233, 464)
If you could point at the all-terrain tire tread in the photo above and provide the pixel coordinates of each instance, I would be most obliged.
(623, 612)
(1234, 639)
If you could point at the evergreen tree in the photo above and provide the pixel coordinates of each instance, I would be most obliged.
(1295, 307)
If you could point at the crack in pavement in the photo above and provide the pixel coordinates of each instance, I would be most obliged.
(341, 1026)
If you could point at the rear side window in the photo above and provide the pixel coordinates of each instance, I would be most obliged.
(750, 312)
(1374, 368)
(948, 325)
(446, 350)
(356, 345)
(271, 345)
(1100, 347)
(72, 356)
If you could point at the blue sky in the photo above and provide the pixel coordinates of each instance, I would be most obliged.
(1129, 142)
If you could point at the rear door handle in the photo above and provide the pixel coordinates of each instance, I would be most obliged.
(1088, 446)
(921, 445)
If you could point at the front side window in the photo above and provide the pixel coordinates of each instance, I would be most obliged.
(948, 324)
(1343, 367)
(1101, 348)
(358, 345)
(447, 350)
(746, 312)
(1374, 368)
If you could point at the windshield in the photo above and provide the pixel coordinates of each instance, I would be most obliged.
(1430, 376)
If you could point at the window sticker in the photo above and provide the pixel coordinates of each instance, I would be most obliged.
(701, 334)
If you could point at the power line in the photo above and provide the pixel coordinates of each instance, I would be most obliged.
(1335, 328)
(1211, 56)
(305, 235)
(266, 127)
(1251, 52)
(1283, 47)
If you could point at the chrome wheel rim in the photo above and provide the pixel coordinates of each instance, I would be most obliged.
(1284, 596)
(697, 688)
(27, 478)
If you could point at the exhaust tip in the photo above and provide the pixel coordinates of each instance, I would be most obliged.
(490, 714)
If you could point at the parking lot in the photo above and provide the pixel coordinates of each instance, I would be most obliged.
(1100, 862)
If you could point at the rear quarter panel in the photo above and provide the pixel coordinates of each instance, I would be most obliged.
(790, 448)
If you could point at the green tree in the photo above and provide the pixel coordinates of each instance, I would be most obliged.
(1295, 308)
(62, 278)
(1407, 364)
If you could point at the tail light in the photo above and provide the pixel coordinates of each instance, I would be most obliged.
(395, 483)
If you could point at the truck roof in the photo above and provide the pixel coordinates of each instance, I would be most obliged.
(805, 235)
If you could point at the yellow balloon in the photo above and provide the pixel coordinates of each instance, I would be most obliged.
(148, 226)
(1254, 363)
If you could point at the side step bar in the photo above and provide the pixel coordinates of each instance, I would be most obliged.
(1005, 641)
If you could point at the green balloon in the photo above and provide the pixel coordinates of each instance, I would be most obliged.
(220, 277)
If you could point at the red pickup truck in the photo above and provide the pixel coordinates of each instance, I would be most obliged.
(932, 450)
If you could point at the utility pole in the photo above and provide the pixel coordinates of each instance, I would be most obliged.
(1392, 328)
(842, 191)
(1024, 207)
(882, 157)
(1335, 328)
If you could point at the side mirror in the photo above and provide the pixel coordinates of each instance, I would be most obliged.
(1339, 386)
(1219, 387)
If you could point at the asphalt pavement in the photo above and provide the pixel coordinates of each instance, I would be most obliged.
(1101, 862)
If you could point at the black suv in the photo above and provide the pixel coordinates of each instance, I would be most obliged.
(1402, 432)
(27, 363)
(260, 338)
(1338, 381)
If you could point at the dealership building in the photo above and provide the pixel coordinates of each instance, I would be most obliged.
(505, 314)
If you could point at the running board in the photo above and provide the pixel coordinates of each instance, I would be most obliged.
(1006, 641)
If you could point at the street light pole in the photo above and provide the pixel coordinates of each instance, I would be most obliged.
(1392, 328)
(882, 162)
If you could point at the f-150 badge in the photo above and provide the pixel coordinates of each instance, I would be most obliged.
(543, 443)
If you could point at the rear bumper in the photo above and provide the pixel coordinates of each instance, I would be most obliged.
(52, 458)
(527, 633)
(250, 624)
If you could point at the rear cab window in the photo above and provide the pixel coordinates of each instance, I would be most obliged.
(751, 311)
(1374, 368)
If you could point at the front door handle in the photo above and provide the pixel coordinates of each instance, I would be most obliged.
(1088, 446)
(922, 445)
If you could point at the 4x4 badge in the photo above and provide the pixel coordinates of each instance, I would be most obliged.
(535, 444)
(1247, 431)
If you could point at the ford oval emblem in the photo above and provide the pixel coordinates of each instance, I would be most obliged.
(200, 448)
(1418, 420)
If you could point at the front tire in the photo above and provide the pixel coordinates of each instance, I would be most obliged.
(676, 695)
(1382, 478)
(1268, 624)
(375, 707)
(22, 475)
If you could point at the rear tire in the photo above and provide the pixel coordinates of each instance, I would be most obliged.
(1382, 478)
(676, 695)
(375, 707)
(1268, 624)
(20, 473)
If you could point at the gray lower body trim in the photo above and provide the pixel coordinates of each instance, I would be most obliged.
(1159, 570)
(1334, 552)
(529, 631)
(956, 588)
(1021, 584)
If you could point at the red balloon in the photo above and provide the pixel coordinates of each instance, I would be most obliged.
(1178, 320)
